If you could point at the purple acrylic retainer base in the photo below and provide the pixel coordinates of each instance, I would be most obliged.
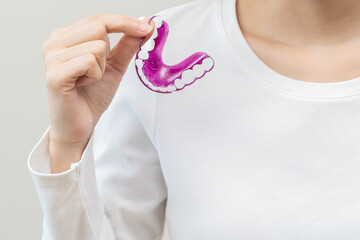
(161, 78)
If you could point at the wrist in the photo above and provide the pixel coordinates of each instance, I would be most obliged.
(62, 154)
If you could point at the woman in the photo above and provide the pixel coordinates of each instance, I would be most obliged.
(264, 146)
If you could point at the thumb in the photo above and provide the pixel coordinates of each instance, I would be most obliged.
(122, 53)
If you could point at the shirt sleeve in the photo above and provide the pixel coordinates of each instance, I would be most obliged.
(117, 189)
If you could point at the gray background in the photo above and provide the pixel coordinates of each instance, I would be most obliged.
(24, 26)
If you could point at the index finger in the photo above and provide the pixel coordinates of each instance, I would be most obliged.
(124, 24)
(112, 22)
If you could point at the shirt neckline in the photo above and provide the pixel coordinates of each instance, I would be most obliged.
(256, 68)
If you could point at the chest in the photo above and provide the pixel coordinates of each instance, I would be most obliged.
(264, 168)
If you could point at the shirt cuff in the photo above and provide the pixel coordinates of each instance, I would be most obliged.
(39, 162)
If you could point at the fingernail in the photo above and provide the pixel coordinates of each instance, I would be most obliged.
(144, 27)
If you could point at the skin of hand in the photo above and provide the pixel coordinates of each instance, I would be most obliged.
(82, 76)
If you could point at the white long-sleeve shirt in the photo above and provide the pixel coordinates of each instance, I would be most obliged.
(243, 153)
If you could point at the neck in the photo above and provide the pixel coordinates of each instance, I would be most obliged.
(306, 22)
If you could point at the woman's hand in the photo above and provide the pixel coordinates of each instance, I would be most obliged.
(82, 76)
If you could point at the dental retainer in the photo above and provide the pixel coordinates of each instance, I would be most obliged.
(161, 78)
